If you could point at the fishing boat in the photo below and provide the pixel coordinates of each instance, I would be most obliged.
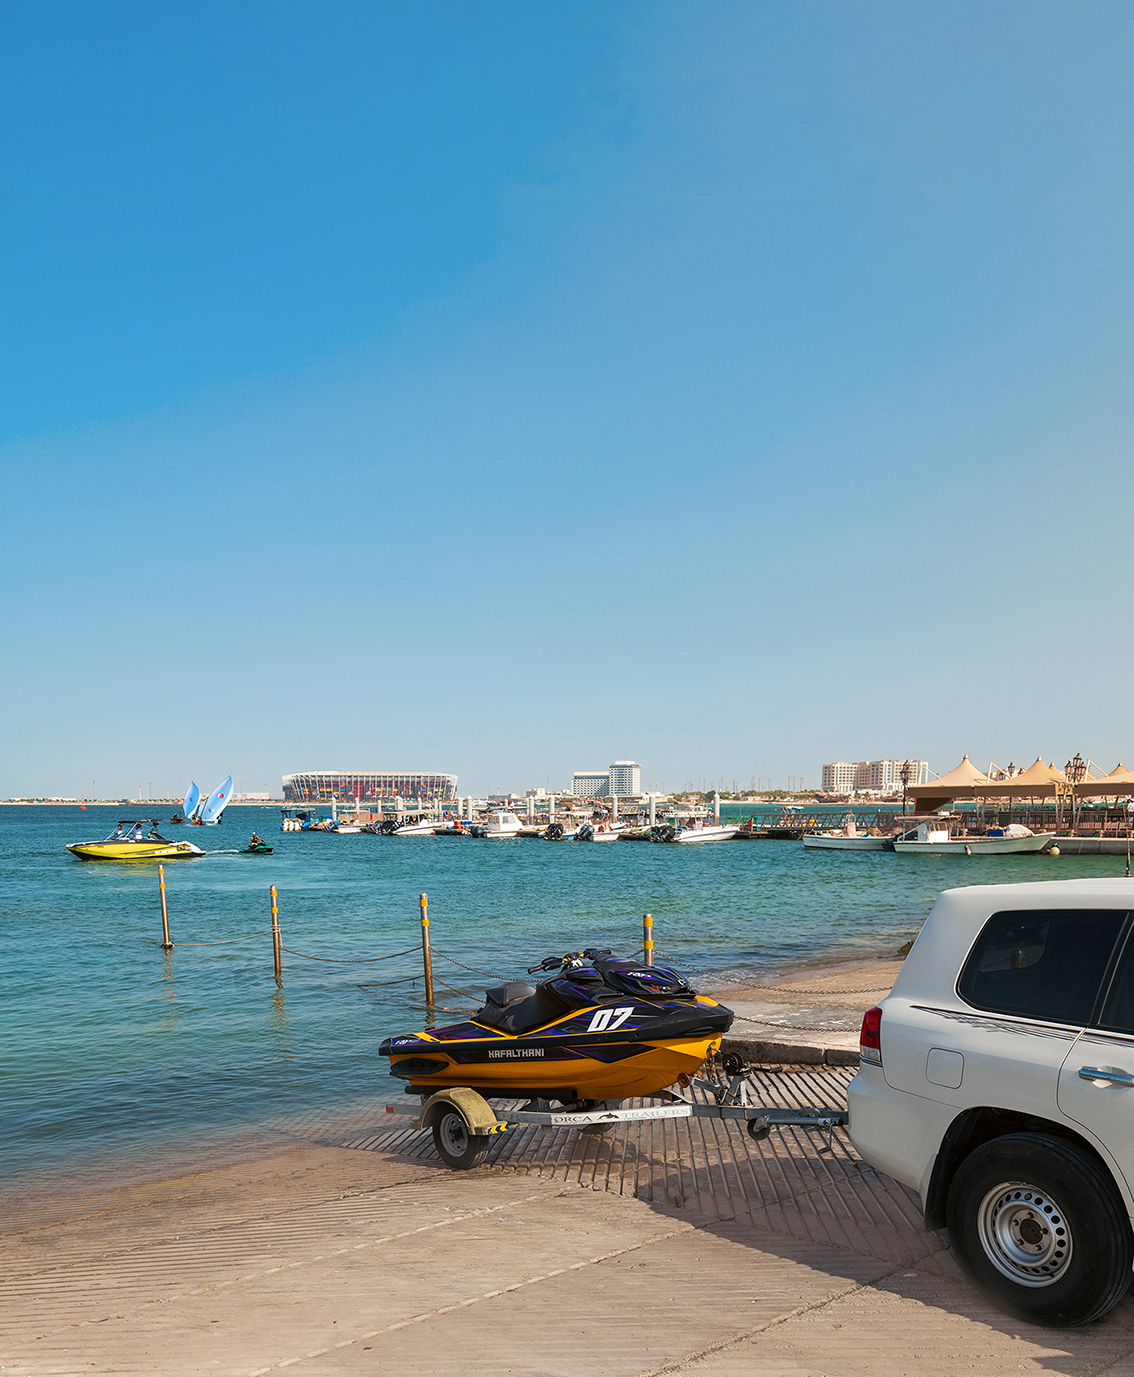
(596, 1029)
(936, 840)
(846, 839)
(602, 831)
(502, 825)
(696, 830)
(131, 842)
(423, 827)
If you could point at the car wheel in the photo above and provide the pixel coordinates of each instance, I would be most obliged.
(457, 1147)
(1039, 1226)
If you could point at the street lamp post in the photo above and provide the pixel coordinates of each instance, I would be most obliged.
(907, 770)
(1076, 772)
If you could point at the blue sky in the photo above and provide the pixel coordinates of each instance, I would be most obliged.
(509, 388)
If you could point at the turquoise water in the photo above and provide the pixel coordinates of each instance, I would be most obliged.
(115, 1050)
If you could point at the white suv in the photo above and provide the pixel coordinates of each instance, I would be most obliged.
(997, 1079)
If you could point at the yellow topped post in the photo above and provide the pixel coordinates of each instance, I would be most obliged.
(426, 954)
(276, 937)
(648, 937)
(167, 945)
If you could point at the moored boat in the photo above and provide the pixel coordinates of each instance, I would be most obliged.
(602, 831)
(130, 842)
(696, 830)
(502, 825)
(937, 840)
(846, 839)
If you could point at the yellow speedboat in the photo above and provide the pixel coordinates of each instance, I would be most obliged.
(131, 842)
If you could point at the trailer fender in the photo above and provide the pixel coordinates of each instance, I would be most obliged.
(472, 1107)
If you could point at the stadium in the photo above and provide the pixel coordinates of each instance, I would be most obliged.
(321, 786)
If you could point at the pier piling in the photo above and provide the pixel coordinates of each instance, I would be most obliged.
(276, 938)
(166, 944)
(648, 937)
(426, 954)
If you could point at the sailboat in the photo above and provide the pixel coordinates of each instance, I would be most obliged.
(190, 806)
(215, 804)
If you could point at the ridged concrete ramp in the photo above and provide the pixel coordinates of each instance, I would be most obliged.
(794, 1182)
(650, 1249)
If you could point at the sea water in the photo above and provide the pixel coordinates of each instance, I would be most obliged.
(116, 1052)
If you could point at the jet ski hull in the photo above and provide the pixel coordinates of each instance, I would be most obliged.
(612, 1051)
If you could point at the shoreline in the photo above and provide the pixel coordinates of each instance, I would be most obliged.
(43, 1195)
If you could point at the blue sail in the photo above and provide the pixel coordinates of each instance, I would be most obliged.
(192, 802)
(215, 803)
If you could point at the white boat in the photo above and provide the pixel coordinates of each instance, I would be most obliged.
(827, 841)
(192, 802)
(215, 804)
(348, 827)
(600, 831)
(502, 825)
(706, 832)
(846, 839)
(937, 841)
(425, 828)
(695, 830)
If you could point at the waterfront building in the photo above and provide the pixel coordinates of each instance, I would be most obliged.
(590, 784)
(625, 779)
(838, 777)
(878, 776)
(321, 786)
(622, 779)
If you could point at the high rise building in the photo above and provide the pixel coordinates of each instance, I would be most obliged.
(625, 779)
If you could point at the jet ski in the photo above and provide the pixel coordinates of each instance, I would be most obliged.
(598, 1028)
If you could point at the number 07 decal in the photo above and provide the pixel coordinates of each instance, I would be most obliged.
(607, 1020)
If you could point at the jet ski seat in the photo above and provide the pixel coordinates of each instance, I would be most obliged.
(518, 1007)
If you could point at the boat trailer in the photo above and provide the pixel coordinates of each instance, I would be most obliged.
(463, 1122)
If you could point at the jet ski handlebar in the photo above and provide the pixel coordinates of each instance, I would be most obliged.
(551, 963)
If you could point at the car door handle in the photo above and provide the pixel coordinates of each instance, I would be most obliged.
(1095, 1073)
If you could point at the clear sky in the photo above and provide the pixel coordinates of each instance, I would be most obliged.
(508, 388)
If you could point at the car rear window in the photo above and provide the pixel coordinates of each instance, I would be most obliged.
(1045, 964)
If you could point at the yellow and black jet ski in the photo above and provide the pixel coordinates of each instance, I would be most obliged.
(597, 1029)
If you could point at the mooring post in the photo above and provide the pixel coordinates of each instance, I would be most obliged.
(167, 945)
(648, 937)
(426, 954)
(276, 938)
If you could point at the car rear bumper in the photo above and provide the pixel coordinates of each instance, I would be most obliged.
(894, 1131)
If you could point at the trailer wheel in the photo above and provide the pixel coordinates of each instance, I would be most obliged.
(758, 1131)
(456, 1146)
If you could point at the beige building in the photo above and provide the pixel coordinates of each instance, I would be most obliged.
(879, 776)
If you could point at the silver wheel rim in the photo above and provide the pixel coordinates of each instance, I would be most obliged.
(1024, 1234)
(454, 1134)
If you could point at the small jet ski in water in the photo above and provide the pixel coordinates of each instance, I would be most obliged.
(597, 1029)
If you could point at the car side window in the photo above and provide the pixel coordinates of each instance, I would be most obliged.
(1118, 1011)
(1045, 964)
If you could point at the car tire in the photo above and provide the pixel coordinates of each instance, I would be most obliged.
(456, 1146)
(1038, 1224)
